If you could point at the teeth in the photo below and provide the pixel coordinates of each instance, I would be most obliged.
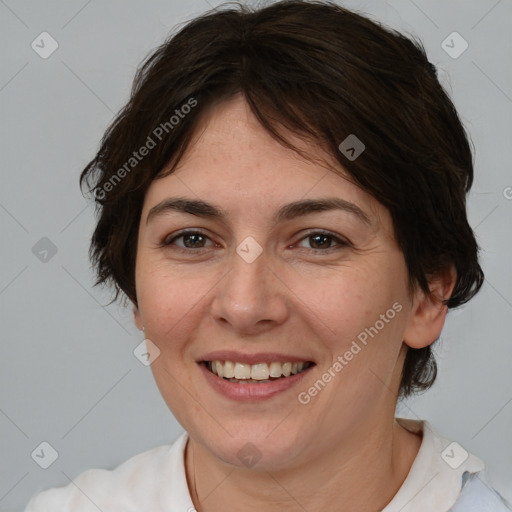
(260, 371)
(229, 369)
(242, 371)
(275, 369)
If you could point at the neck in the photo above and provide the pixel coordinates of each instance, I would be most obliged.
(362, 473)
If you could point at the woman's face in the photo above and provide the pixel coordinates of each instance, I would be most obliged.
(262, 282)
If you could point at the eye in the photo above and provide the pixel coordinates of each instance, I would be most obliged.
(318, 241)
(189, 239)
(322, 241)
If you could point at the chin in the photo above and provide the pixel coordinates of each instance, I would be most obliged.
(254, 446)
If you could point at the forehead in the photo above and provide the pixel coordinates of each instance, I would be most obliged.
(232, 160)
(229, 133)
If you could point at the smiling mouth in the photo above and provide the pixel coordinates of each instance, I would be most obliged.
(259, 373)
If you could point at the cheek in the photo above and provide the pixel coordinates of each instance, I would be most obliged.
(359, 316)
(171, 301)
(346, 301)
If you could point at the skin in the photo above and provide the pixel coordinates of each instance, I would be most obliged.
(345, 445)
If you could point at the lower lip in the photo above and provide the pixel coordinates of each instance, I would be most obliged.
(251, 392)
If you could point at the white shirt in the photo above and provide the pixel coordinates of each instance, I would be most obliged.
(444, 477)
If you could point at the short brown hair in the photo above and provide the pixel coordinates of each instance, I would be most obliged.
(323, 72)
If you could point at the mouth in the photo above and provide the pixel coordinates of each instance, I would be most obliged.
(253, 377)
(259, 373)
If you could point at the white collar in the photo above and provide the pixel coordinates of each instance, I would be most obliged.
(432, 483)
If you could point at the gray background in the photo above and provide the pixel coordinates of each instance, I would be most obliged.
(69, 376)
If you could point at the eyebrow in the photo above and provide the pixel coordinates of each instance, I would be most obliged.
(287, 212)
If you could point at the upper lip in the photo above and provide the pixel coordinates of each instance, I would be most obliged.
(260, 357)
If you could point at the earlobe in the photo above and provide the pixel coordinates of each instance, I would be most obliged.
(428, 313)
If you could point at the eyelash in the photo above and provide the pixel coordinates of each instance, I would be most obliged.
(340, 242)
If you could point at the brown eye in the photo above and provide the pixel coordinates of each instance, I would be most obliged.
(320, 241)
(189, 240)
(193, 241)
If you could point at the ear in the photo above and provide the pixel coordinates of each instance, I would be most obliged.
(136, 318)
(428, 311)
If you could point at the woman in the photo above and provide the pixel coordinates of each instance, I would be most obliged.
(282, 200)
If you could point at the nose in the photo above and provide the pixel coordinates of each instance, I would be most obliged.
(250, 298)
